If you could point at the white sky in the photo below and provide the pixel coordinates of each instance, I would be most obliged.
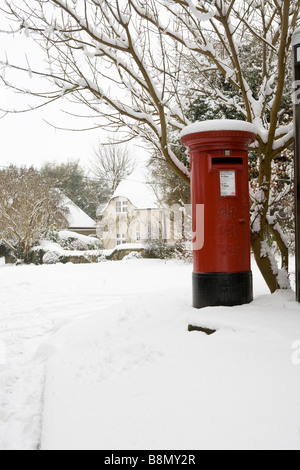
(27, 139)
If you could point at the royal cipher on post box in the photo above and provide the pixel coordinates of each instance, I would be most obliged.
(220, 207)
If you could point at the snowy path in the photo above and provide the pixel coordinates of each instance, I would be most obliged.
(36, 302)
(98, 356)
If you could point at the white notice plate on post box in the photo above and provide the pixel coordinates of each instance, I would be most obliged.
(227, 183)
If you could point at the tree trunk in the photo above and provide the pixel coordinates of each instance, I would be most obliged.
(265, 259)
(264, 263)
(284, 251)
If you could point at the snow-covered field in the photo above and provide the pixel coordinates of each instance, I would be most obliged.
(99, 357)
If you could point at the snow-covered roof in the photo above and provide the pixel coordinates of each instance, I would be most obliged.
(140, 194)
(77, 218)
(219, 125)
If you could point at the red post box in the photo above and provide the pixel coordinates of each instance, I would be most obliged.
(220, 194)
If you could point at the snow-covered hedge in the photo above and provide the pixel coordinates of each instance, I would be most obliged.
(68, 247)
(161, 249)
(74, 241)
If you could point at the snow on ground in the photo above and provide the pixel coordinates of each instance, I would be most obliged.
(99, 357)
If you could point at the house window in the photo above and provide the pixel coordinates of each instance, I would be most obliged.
(121, 238)
(118, 207)
(138, 236)
(121, 207)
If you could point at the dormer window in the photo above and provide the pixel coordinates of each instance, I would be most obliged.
(121, 207)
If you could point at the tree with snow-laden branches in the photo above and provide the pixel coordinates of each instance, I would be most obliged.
(29, 206)
(130, 61)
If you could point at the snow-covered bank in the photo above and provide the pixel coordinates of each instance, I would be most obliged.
(99, 357)
(36, 302)
(136, 379)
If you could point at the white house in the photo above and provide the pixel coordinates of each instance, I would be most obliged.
(133, 215)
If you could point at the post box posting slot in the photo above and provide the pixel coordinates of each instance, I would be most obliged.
(227, 161)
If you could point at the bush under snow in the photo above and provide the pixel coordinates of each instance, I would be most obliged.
(133, 255)
(51, 257)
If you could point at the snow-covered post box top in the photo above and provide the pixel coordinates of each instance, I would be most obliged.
(216, 127)
(220, 211)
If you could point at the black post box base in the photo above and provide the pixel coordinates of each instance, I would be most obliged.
(222, 289)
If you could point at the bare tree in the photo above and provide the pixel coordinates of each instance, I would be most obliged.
(28, 207)
(111, 165)
(71, 178)
(127, 61)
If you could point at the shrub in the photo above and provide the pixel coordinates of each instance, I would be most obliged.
(78, 245)
(159, 249)
(51, 257)
(133, 255)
